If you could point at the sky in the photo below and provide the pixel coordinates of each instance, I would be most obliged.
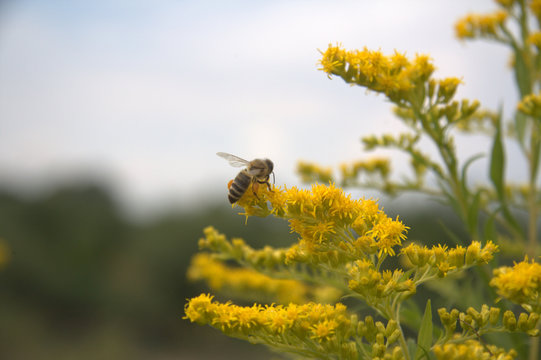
(142, 94)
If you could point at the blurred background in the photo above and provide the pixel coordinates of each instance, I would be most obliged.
(111, 113)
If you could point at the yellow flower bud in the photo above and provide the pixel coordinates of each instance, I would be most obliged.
(522, 323)
(533, 319)
(472, 252)
(494, 316)
(509, 320)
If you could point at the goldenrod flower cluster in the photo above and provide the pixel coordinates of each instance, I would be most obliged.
(311, 320)
(535, 7)
(520, 284)
(375, 287)
(239, 281)
(311, 173)
(531, 105)
(486, 25)
(472, 350)
(268, 260)
(311, 329)
(535, 39)
(406, 142)
(265, 259)
(374, 166)
(407, 83)
(482, 121)
(475, 323)
(441, 260)
(396, 76)
(371, 173)
(333, 227)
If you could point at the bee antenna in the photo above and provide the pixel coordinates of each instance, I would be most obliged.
(273, 179)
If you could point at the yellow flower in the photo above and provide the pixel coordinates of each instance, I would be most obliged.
(388, 233)
(310, 173)
(277, 319)
(373, 285)
(471, 350)
(535, 39)
(520, 283)
(224, 319)
(442, 260)
(324, 330)
(531, 104)
(444, 268)
(447, 88)
(320, 231)
(474, 25)
(350, 172)
(248, 317)
(393, 75)
(535, 6)
(197, 309)
(245, 283)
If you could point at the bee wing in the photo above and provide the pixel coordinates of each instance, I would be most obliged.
(233, 160)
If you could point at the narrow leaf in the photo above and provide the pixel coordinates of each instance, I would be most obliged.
(520, 127)
(524, 80)
(497, 160)
(497, 167)
(452, 235)
(424, 339)
(473, 212)
(410, 315)
(465, 167)
(490, 227)
(536, 149)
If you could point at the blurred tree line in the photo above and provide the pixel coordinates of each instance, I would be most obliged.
(84, 281)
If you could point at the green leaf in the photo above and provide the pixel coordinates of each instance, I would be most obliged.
(450, 233)
(473, 209)
(412, 346)
(410, 315)
(520, 127)
(497, 160)
(490, 227)
(536, 149)
(449, 197)
(463, 180)
(424, 339)
(473, 213)
(524, 80)
(497, 167)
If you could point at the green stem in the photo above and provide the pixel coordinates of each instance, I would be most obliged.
(533, 158)
(532, 218)
(532, 222)
(402, 338)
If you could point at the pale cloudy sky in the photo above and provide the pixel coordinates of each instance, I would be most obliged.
(144, 93)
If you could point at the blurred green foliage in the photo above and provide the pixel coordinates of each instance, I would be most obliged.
(84, 281)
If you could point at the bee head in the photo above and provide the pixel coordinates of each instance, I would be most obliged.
(269, 164)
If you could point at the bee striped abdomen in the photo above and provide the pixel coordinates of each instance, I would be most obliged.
(239, 186)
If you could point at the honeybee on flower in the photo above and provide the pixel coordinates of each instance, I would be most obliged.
(256, 172)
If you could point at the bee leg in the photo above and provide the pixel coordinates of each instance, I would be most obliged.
(266, 182)
(255, 187)
(229, 184)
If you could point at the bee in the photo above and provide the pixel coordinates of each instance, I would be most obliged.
(256, 172)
